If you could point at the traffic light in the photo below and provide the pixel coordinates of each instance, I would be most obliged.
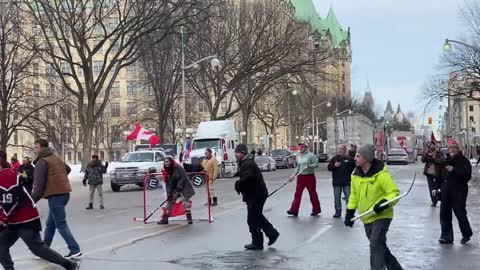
(430, 120)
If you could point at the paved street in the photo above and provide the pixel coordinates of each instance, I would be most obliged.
(111, 240)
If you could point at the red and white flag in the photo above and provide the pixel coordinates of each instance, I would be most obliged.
(140, 133)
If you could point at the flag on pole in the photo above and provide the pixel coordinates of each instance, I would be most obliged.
(140, 133)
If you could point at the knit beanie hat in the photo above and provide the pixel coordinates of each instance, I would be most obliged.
(367, 151)
(241, 148)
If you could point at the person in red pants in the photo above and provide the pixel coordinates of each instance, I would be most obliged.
(306, 164)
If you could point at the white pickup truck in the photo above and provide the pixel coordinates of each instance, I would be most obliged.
(134, 167)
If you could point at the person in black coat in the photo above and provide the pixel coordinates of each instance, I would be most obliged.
(254, 191)
(341, 166)
(454, 190)
(25, 172)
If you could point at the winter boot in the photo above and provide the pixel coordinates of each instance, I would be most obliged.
(102, 207)
(90, 206)
(164, 220)
(291, 213)
(338, 214)
(189, 217)
(253, 247)
(215, 201)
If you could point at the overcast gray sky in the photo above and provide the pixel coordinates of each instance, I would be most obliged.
(396, 44)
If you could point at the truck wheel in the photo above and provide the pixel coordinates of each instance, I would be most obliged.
(115, 187)
(222, 170)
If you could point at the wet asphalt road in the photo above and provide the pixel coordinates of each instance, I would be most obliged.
(111, 240)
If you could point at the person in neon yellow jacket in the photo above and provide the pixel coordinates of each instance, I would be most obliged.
(372, 185)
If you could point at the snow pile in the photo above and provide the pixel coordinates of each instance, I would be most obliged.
(78, 175)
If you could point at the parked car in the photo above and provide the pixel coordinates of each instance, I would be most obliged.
(135, 166)
(397, 155)
(284, 159)
(265, 163)
(322, 157)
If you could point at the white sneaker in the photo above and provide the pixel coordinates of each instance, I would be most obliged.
(73, 255)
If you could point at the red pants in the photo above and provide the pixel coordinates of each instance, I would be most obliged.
(309, 182)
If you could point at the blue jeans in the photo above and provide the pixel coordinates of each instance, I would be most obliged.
(57, 220)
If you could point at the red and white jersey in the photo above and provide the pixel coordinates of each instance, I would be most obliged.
(16, 204)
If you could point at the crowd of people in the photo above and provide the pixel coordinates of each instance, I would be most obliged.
(363, 179)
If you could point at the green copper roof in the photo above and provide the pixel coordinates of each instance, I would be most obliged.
(306, 12)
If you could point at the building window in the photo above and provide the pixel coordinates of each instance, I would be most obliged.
(115, 46)
(79, 154)
(36, 90)
(472, 119)
(116, 89)
(202, 108)
(132, 108)
(66, 68)
(112, 24)
(132, 88)
(132, 69)
(223, 106)
(15, 137)
(115, 109)
(470, 108)
(34, 31)
(50, 90)
(97, 67)
(80, 72)
(49, 71)
(35, 70)
(115, 132)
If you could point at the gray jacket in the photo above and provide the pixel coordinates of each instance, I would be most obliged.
(179, 182)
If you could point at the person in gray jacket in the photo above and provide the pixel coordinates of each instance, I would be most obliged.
(177, 186)
(94, 178)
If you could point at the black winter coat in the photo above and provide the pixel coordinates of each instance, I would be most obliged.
(251, 184)
(178, 181)
(27, 181)
(461, 174)
(342, 176)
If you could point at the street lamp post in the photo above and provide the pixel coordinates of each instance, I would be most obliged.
(447, 46)
(213, 61)
(314, 126)
(293, 92)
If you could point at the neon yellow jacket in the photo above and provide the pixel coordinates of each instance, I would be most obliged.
(370, 188)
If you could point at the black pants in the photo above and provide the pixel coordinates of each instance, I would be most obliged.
(433, 184)
(257, 222)
(32, 239)
(380, 255)
(454, 199)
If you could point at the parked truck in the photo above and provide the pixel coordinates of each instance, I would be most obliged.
(221, 137)
(405, 140)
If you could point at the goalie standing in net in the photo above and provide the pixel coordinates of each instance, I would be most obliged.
(178, 187)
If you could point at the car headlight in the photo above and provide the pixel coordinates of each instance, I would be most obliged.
(143, 171)
(285, 159)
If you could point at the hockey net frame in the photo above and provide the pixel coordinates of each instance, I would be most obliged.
(149, 217)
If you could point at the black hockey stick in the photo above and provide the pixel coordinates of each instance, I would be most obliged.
(286, 183)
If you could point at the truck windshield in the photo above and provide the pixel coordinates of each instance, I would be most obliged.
(206, 143)
(138, 157)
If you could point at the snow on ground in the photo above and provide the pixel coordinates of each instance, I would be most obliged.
(77, 175)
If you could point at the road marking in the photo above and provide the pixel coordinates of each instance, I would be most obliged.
(319, 233)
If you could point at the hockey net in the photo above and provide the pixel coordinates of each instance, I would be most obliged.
(154, 194)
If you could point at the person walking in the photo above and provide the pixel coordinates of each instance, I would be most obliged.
(178, 187)
(50, 182)
(210, 165)
(19, 218)
(372, 185)
(25, 172)
(14, 164)
(454, 191)
(94, 177)
(433, 160)
(306, 164)
(254, 193)
(341, 166)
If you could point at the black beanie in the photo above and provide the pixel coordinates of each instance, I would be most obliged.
(241, 148)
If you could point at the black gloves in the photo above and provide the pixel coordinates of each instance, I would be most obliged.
(348, 217)
(237, 187)
(84, 181)
(378, 208)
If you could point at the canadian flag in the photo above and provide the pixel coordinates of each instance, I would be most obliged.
(140, 133)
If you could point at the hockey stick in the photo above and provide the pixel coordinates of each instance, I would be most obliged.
(286, 183)
(389, 201)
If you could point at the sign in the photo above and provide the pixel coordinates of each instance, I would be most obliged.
(198, 180)
(152, 183)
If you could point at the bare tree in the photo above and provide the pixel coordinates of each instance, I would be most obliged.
(88, 43)
(19, 99)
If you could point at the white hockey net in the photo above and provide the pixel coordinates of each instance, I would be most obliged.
(154, 194)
